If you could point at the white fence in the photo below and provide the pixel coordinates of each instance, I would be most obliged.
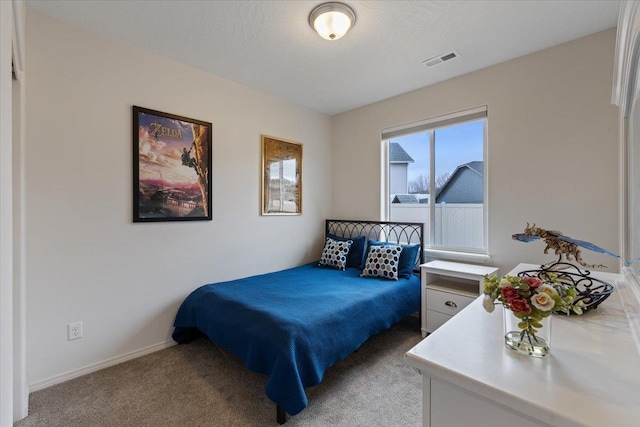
(457, 225)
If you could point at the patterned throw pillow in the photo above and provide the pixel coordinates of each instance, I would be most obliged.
(408, 257)
(334, 254)
(382, 261)
(357, 251)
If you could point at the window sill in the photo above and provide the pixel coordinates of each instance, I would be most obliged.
(456, 256)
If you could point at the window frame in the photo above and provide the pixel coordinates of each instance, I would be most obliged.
(431, 125)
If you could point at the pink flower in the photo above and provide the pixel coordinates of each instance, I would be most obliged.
(509, 294)
(533, 282)
(519, 306)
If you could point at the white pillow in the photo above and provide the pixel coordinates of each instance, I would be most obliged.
(335, 253)
(382, 261)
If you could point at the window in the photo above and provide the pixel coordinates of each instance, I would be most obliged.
(436, 174)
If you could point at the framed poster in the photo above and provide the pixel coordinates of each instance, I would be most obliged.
(171, 167)
(281, 177)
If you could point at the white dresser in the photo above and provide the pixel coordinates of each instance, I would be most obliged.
(447, 288)
(591, 377)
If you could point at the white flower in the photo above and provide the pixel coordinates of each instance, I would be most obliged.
(543, 301)
(547, 289)
(504, 283)
(487, 303)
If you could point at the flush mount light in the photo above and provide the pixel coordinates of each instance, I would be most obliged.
(332, 20)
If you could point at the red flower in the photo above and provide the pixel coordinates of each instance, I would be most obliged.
(520, 306)
(509, 294)
(533, 282)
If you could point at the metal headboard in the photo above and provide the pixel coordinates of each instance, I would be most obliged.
(395, 232)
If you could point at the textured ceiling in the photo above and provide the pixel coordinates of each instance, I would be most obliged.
(269, 45)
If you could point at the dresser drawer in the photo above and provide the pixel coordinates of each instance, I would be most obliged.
(446, 302)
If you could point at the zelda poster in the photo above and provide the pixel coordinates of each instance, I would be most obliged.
(172, 166)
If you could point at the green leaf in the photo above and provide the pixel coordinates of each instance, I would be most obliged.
(523, 325)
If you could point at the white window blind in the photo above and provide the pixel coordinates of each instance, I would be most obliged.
(435, 122)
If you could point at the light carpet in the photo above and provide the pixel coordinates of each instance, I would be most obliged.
(201, 384)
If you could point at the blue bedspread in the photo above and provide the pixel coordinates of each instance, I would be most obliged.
(294, 324)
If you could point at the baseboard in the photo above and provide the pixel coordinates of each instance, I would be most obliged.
(57, 379)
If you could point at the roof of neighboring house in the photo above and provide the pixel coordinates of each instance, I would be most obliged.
(477, 166)
(405, 198)
(398, 155)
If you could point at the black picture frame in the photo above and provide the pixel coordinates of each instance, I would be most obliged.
(171, 167)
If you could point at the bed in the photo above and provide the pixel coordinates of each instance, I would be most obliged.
(292, 325)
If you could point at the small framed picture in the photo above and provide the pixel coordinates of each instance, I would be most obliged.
(171, 167)
(281, 177)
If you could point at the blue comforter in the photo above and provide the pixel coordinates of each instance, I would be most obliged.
(293, 324)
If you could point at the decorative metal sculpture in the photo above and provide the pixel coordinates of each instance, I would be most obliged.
(562, 245)
(591, 291)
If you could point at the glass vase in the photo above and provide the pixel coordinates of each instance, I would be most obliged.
(529, 340)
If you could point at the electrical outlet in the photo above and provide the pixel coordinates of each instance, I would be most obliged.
(74, 331)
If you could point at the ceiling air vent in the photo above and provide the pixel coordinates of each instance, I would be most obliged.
(441, 58)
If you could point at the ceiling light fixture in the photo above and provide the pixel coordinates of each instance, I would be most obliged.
(332, 20)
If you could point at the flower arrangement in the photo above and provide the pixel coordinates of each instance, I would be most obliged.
(530, 299)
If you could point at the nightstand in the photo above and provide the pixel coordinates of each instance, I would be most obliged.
(448, 287)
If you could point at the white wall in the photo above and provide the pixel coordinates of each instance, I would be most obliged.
(86, 260)
(552, 148)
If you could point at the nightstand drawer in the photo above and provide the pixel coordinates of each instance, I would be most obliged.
(435, 320)
(446, 302)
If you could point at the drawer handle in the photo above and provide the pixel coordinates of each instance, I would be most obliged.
(451, 304)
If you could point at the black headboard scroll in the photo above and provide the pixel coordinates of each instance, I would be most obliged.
(387, 231)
